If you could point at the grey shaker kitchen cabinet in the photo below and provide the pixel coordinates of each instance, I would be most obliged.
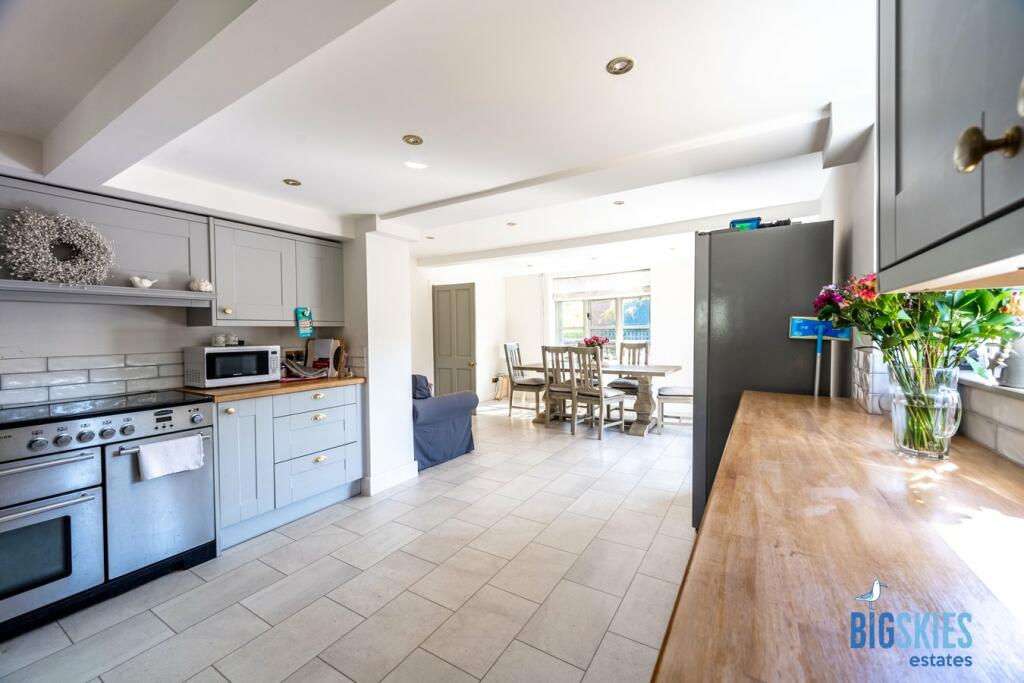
(319, 281)
(169, 246)
(245, 459)
(946, 66)
(255, 275)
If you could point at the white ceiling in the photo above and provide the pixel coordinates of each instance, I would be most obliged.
(54, 51)
(503, 92)
(789, 181)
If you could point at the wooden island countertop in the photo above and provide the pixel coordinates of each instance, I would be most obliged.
(810, 505)
(245, 391)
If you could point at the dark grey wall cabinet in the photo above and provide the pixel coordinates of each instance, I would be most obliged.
(945, 67)
(170, 246)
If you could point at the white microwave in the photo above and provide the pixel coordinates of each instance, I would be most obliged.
(207, 367)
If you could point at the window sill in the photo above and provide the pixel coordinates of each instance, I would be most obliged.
(975, 382)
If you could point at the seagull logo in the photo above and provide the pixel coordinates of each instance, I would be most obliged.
(872, 595)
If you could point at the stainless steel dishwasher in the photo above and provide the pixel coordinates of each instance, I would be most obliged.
(150, 520)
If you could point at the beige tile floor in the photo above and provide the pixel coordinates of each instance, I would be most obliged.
(539, 557)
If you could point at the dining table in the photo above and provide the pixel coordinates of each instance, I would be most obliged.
(645, 405)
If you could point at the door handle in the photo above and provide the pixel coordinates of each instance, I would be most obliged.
(230, 411)
(318, 417)
(228, 311)
(472, 363)
(320, 458)
(43, 465)
(972, 147)
(135, 450)
(47, 508)
(318, 395)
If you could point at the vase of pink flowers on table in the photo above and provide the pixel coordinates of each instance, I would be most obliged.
(595, 341)
(924, 338)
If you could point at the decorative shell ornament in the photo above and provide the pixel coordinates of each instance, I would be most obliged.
(141, 282)
(58, 248)
(200, 285)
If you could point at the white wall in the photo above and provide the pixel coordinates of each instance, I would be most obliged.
(526, 314)
(491, 333)
(849, 199)
(421, 309)
(378, 315)
(672, 314)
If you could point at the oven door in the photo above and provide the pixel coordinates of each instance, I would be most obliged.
(149, 520)
(50, 549)
(237, 366)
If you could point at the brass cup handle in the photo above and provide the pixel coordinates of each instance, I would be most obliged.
(229, 411)
(318, 417)
(320, 458)
(318, 395)
(472, 364)
(228, 311)
(972, 147)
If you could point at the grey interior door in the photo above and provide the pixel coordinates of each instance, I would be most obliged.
(454, 338)
(255, 275)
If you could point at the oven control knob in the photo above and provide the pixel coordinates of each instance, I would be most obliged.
(62, 440)
(107, 432)
(128, 430)
(196, 418)
(86, 436)
(37, 444)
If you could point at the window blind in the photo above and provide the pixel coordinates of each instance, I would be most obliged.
(630, 283)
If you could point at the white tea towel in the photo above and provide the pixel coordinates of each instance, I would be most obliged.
(168, 457)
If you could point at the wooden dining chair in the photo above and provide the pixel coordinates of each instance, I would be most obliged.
(557, 380)
(588, 389)
(519, 381)
(630, 353)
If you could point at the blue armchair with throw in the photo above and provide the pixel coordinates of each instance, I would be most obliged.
(442, 425)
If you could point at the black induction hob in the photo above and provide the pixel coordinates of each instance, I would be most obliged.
(27, 414)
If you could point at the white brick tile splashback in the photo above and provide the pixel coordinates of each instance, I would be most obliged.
(85, 362)
(13, 365)
(68, 378)
(137, 385)
(170, 358)
(13, 396)
(73, 391)
(993, 416)
(26, 380)
(113, 374)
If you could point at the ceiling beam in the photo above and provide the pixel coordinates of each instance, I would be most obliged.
(770, 141)
(768, 213)
(198, 59)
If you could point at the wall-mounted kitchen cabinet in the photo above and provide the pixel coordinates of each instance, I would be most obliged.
(951, 114)
(262, 275)
(169, 246)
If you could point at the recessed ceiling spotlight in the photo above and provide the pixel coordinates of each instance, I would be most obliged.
(430, 237)
(412, 139)
(593, 258)
(619, 66)
(292, 182)
(511, 224)
(415, 164)
(529, 265)
(618, 202)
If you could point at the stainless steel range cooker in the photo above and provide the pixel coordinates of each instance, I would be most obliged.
(77, 521)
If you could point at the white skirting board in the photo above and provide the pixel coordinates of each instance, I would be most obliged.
(376, 483)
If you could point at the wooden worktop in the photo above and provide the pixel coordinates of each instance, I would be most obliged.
(810, 505)
(244, 391)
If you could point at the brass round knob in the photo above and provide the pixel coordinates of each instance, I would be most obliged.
(972, 147)
(472, 363)
(318, 395)
(229, 411)
(320, 458)
(319, 416)
(228, 311)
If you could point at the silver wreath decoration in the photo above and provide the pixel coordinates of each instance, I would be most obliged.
(29, 244)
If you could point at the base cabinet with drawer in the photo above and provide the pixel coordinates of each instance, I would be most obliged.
(283, 457)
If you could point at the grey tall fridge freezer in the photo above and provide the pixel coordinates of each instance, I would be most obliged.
(746, 287)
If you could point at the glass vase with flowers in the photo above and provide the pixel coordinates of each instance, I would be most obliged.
(924, 337)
